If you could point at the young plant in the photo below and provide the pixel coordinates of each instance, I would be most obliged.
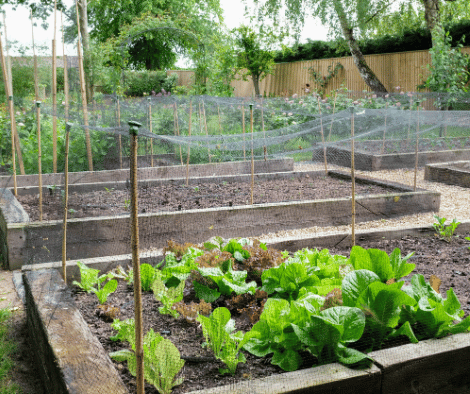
(217, 329)
(103, 292)
(88, 276)
(127, 204)
(445, 232)
(168, 296)
(162, 361)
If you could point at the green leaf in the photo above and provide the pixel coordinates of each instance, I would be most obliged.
(108, 288)
(350, 322)
(399, 265)
(288, 360)
(147, 276)
(405, 330)
(121, 355)
(355, 283)
(89, 277)
(350, 356)
(205, 293)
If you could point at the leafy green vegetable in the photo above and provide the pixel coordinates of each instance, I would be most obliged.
(147, 276)
(167, 296)
(162, 360)
(216, 329)
(103, 292)
(205, 293)
(180, 270)
(88, 276)
(399, 265)
(235, 247)
(229, 281)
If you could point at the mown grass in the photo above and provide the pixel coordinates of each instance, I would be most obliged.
(7, 348)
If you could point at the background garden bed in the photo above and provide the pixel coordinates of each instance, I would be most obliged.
(455, 173)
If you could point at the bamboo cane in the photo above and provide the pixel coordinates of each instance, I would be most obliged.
(10, 85)
(66, 201)
(331, 125)
(322, 136)
(189, 134)
(139, 352)
(12, 115)
(150, 129)
(83, 95)
(54, 107)
(265, 149)
(119, 137)
(66, 75)
(353, 184)
(38, 119)
(177, 129)
(35, 60)
(385, 129)
(416, 154)
(252, 155)
(205, 126)
(220, 121)
(243, 128)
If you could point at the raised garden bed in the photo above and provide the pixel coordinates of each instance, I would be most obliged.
(431, 365)
(368, 155)
(455, 173)
(32, 243)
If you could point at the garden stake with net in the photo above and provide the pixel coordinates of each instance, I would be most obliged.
(252, 155)
(416, 152)
(265, 149)
(54, 106)
(353, 184)
(118, 109)
(139, 352)
(322, 135)
(38, 119)
(150, 129)
(189, 148)
(334, 107)
(205, 126)
(66, 74)
(68, 126)
(385, 129)
(243, 129)
(35, 60)
(177, 130)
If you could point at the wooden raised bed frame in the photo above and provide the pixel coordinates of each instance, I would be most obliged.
(456, 173)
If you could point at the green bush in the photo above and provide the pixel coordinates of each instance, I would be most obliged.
(139, 82)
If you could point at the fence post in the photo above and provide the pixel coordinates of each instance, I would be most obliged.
(139, 352)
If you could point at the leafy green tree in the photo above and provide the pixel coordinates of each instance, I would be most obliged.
(252, 59)
(343, 17)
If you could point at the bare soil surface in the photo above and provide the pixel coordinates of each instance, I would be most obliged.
(449, 261)
(205, 195)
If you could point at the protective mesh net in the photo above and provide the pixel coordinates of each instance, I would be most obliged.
(275, 170)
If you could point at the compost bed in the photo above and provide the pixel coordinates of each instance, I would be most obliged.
(455, 173)
(173, 197)
(373, 155)
(448, 261)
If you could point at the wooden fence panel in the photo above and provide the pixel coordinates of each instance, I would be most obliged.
(404, 69)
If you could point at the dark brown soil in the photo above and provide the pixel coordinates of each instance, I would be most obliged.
(448, 261)
(204, 195)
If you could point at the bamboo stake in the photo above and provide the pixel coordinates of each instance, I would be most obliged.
(385, 129)
(35, 59)
(38, 119)
(66, 75)
(243, 127)
(139, 352)
(265, 149)
(68, 126)
(83, 95)
(54, 107)
(205, 126)
(416, 153)
(150, 129)
(189, 133)
(10, 85)
(119, 137)
(322, 135)
(220, 122)
(353, 184)
(12, 115)
(252, 155)
(177, 129)
(409, 123)
(331, 125)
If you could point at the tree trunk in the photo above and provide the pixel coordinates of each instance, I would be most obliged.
(256, 84)
(431, 15)
(87, 64)
(365, 71)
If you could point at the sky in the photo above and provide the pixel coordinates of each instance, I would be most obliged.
(19, 27)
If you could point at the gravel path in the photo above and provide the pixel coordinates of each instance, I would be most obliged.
(455, 203)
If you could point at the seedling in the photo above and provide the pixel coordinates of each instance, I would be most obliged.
(53, 189)
(468, 239)
(127, 204)
(109, 191)
(445, 232)
(72, 212)
(196, 188)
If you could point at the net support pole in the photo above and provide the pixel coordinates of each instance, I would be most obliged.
(252, 155)
(416, 154)
(353, 184)
(119, 137)
(139, 352)
(265, 148)
(66, 74)
(38, 120)
(322, 135)
(332, 119)
(385, 129)
(54, 107)
(177, 129)
(150, 129)
(189, 148)
(243, 129)
(205, 127)
(68, 126)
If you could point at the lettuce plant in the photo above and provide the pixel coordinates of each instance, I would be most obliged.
(217, 329)
(88, 277)
(103, 292)
(162, 360)
(168, 296)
